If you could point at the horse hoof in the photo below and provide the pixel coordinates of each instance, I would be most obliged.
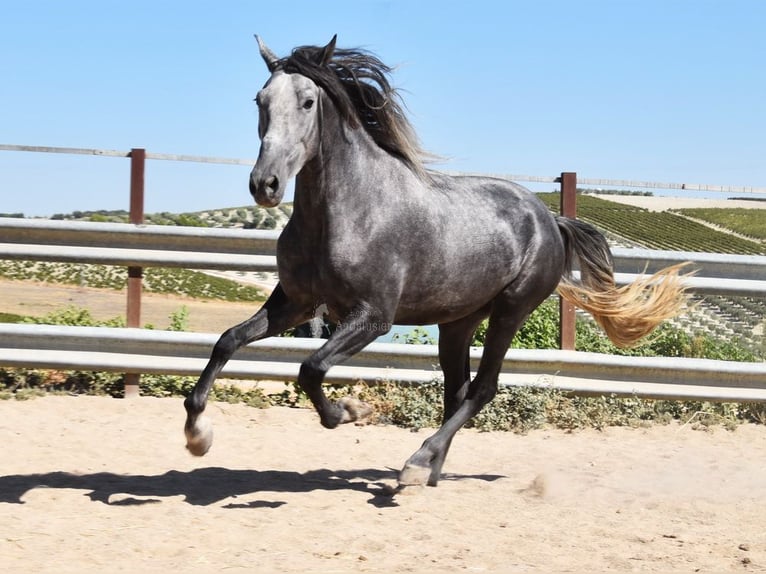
(414, 475)
(199, 438)
(353, 409)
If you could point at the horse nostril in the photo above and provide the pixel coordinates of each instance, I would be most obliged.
(253, 186)
(272, 184)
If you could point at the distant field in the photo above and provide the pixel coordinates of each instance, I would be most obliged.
(659, 229)
(750, 222)
(179, 282)
(648, 225)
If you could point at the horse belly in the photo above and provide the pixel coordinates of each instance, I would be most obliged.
(446, 293)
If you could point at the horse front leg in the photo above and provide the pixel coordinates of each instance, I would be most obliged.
(277, 314)
(355, 332)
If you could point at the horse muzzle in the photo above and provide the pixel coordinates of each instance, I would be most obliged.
(267, 191)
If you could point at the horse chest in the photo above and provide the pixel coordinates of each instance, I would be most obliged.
(309, 261)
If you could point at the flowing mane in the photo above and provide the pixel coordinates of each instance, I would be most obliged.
(357, 83)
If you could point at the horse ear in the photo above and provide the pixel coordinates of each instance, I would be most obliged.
(327, 52)
(268, 56)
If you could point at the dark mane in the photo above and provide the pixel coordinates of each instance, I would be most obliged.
(357, 82)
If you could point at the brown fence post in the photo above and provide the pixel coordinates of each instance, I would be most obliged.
(568, 208)
(135, 274)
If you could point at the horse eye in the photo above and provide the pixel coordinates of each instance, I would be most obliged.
(308, 104)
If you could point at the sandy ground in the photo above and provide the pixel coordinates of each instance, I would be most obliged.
(38, 299)
(104, 485)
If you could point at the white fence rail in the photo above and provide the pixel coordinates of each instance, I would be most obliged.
(148, 351)
(144, 351)
(254, 250)
(601, 182)
(138, 245)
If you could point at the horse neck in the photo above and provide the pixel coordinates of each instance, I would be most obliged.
(335, 177)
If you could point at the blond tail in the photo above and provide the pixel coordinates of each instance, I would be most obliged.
(628, 313)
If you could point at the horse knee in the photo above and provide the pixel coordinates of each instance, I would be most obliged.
(226, 345)
(484, 394)
(311, 374)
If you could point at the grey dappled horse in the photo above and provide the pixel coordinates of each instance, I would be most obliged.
(378, 239)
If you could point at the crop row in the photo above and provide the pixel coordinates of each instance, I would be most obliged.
(747, 310)
(738, 319)
(255, 217)
(656, 230)
(156, 280)
(750, 222)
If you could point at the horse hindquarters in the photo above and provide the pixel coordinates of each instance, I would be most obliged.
(508, 311)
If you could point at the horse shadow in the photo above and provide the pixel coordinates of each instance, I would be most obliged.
(207, 486)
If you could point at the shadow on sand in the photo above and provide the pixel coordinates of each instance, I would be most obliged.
(206, 486)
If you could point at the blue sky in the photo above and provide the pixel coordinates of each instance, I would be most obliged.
(660, 90)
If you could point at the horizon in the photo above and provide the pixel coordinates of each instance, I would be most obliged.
(644, 90)
(715, 202)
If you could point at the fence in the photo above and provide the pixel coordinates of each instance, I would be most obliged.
(136, 351)
(138, 246)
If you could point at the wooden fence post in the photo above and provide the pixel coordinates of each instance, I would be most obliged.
(568, 208)
(135, 274)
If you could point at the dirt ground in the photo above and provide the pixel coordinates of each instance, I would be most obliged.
(104, 485)
(35, 299)
(98, 485)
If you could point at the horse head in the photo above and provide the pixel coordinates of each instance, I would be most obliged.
(288, 125)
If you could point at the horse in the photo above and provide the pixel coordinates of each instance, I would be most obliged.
(376, 238)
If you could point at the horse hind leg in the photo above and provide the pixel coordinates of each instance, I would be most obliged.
(424, 466)
(454, 346)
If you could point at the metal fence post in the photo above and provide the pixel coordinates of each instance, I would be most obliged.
(135, 274)
(568, 208)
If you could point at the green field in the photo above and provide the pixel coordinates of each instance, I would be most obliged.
(156, 279)
(750, 222)
(658, 230)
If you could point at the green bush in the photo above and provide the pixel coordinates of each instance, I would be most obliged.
(521, 409)
(526, 408)
(411, 406)
(74, 316)
(418, 336)
(27, 383)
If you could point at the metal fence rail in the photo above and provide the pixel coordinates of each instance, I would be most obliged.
(148, 351)
(138, 245)
(142, 351)
(513, 177)
(254, 250)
